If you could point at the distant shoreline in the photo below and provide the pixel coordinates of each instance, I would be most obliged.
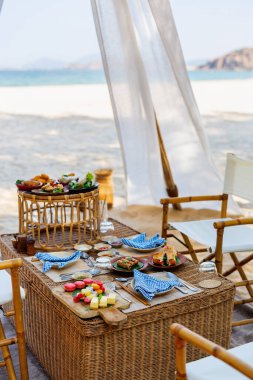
(23, 78)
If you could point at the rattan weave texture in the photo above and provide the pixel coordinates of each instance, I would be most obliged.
(70, 348)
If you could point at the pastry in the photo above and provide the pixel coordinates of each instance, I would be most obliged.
(127, 262)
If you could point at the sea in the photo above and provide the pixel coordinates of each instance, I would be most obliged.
(9, 78)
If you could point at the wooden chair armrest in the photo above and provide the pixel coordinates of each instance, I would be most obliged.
(12, 263)
(196, 198)
(210, 348)
(231, 223)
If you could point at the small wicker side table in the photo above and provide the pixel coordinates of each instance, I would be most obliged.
(76, 216)
(71, 348)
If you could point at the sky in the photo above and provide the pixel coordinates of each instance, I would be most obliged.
(63, 30)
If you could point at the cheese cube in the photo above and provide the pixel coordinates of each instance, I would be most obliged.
(90, 296)
(103, 301)
(111, 299)
(94, 303)
(86, 292)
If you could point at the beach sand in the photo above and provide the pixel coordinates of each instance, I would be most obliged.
(59, 129)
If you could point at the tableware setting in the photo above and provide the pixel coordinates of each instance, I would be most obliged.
(51, 261)
(149, 286)
(141, 244)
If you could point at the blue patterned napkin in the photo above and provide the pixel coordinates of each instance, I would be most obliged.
(141, 242)
(60, 262)
(149, 286)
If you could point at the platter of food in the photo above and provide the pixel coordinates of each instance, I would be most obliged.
(168, 258)
(127, 264)
(89, 298)
(67, 183)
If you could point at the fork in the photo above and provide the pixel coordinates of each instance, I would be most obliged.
(112, 286)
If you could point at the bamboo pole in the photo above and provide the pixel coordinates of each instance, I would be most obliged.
(171, 187)
(197, 198)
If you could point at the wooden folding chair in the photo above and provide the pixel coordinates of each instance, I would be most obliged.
(223, 235)
(233, 364)
(10, 292)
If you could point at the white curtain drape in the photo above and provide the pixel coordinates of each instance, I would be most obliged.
(145, 71)
(1, 4)
(131, 101)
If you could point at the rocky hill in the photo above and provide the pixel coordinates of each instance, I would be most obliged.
(236, 60)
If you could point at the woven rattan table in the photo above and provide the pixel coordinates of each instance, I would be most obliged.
(70, 348)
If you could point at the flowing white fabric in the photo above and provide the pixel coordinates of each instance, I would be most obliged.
(145, 70)
(131, 101)
(1, 4)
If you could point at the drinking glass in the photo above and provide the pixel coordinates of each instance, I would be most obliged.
(105, 224)
(208, 267)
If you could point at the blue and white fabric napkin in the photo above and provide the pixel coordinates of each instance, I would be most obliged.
(149, 286)
(60, 262)
(140, 241)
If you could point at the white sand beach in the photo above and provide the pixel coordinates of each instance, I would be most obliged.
(57, 129)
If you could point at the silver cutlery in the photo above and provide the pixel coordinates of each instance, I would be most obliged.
(181, 290)
(122, 279)
(172, 276)
(112, 286)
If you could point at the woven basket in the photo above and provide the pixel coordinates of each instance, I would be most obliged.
(76, 216)
(70, 348)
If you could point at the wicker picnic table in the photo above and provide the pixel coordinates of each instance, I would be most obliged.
(70, 348)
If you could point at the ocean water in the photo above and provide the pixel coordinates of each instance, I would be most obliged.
(63, 77)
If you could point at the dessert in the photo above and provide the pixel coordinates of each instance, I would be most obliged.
(127, 262)
(69, 287)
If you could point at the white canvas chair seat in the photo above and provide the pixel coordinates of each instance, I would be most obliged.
(235, 239)
(211, 368)
(6, 288)
(226, 235)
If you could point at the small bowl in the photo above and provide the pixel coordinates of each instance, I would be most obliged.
(83, 247)
(81, 275)
(109, 253)
(101, 247)
(116, 244)
(103, 260)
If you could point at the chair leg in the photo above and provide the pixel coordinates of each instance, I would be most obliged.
(242, 273)
(190, 248)
(7, 356)
(19, 325)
